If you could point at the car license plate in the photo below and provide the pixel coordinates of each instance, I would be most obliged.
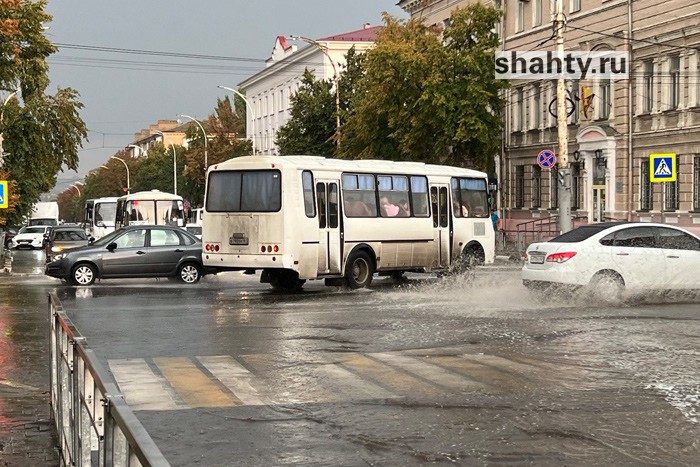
(536, 259)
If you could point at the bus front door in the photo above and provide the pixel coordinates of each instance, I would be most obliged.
(441, 226)
(329, 241)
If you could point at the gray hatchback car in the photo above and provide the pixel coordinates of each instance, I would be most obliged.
(133, 251)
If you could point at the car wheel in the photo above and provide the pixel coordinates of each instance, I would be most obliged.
(607, 286)
(189, 273)
(84, 274)
(358, 270)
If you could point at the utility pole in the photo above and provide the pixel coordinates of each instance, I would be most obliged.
(564, 174)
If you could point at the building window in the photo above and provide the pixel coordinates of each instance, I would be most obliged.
(671, 203)
(697, 78)
(605, 99)
(648, 87)
(646, 195)
(696, 185)
(575, 6)
(575, 90)
(519, 186)
(520, 109)
(537, 13)
(576, 186)
(554, 187)
(520, 20)
(536, 106)
(536, 186)
(675, 71)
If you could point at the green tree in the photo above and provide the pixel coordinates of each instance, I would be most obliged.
(226, 139)
(311, 126)
(41, 133)
(155, 172)
(425, 100)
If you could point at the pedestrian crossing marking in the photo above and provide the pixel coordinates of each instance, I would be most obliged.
(389, 377)
(195, 388)
(142, 387)
(235, 377)
(177, 383)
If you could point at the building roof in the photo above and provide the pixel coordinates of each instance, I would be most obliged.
(366, 34)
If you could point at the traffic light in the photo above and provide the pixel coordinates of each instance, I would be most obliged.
(561, 176)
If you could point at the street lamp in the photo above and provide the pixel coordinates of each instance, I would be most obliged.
(174, 161)
(143, 151)
(205, 138)
(78, 189)
(336, 77)
(128, 182)
(250, 109)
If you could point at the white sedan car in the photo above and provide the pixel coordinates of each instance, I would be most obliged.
(32, 236)
(612, 257)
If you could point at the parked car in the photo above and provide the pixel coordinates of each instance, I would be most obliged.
(64, 238)
(133, 251)
(33, 236)
(194, 229)
(612, 257)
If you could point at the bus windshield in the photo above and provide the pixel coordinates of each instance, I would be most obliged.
(244, 191)
(105, 213)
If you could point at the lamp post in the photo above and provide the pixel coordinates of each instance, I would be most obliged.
(143, 151)
(205, 139)
(77, 189)
(174, 161)
(128, 182)
(250, 109)
(336, 77)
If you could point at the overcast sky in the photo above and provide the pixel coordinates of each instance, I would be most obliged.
(125, 92)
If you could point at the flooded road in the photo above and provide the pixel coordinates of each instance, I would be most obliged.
(428, 371)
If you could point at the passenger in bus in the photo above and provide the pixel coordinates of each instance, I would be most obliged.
(356, 208)
(388, 209)
(404, 208)
(462, 209)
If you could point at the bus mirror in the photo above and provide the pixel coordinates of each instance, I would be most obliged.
(99, 224)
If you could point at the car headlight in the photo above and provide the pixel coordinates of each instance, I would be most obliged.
(56, 249)
(57, 257)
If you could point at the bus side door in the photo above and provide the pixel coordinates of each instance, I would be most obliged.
(441, 226)
(329, 241)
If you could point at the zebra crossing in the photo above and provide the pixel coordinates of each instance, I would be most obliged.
(178, 383)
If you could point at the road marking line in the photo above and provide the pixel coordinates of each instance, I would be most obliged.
(346, 385)
(484, 374)
(424, 369)
(195, 388)
(234, 376)
(143, 389)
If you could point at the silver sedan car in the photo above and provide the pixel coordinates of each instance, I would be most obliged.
(134, 251)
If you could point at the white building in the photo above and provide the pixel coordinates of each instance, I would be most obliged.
(268, 92)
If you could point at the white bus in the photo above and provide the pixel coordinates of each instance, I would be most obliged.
(99, 216)
(150, 208)
(306, 217)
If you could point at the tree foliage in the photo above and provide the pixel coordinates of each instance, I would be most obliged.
(41, 133)
(425, 100)
(312, 125)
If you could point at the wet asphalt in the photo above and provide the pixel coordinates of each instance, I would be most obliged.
(442, 371)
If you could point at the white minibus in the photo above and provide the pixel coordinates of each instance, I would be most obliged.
(99, 216)
(150, 208)
(304, 217)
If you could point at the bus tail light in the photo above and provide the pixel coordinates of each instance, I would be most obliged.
(276, 248)
(269, 248)
(263, 249)
(207, 247)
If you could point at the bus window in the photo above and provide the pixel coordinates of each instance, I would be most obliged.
(471, 194)
(170, 213)
(419, 197)
(244, 191)
(393, 195)
(141, 212)
(359, 195)
(321, 201)
(307, 183)
(443, 207)
(333, 205)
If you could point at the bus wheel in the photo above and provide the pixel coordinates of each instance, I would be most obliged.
(468, 261)
(286, 281)
(359, 270)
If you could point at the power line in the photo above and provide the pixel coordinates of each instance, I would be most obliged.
(155, 52)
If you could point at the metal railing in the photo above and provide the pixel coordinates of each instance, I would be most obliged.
(94, 425)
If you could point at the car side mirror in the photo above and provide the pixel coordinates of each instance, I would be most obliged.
(99, 224)
(112, 246)
(91, 240)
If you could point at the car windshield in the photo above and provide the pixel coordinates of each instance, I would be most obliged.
(69, 235)
(580, 234)
(33, 230)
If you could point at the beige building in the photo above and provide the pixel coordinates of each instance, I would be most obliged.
(610, 164)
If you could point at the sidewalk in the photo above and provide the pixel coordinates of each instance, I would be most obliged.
(26, 429)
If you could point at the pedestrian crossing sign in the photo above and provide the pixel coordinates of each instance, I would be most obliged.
(662, 167)
(4, 195)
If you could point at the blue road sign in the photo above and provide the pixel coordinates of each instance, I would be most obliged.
(4, 195)
(546, 159)
(662, 167)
